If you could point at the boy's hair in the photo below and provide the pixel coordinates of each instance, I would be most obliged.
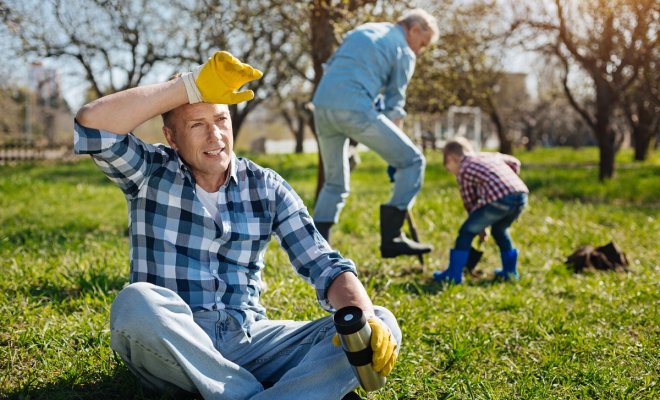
(458, 146)
(168, 114)
(422, 18)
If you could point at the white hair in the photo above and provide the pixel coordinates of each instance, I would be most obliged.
(423, 19)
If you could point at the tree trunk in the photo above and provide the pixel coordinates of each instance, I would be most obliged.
(323, 36)
(642, 143)
(643, 131)
(606, 142)
(506, 146)
(296, 123)
(238, 115)
(606, 164)
(300, 133)
(323, 42)
(603, 130)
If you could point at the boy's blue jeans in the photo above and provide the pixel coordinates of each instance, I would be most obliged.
(499, 215)
(170, 348)
(377, 132)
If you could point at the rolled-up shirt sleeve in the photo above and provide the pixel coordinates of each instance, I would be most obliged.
(512, 162)
(124, 159)
(309, 253)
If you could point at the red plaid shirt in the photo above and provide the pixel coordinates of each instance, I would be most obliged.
(487, 177)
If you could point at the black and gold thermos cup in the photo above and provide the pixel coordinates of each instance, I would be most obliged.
(355, 337)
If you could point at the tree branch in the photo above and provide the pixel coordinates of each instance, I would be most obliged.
(569, 95)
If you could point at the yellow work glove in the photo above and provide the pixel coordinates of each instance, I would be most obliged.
(384, 347)
(382, 344)
(218, 80)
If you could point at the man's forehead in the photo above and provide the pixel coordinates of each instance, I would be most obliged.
(201, 110)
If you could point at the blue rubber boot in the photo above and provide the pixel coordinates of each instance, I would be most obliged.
(454, 273)
(509, 262)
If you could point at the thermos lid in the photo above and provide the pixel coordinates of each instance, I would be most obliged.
(349, 320)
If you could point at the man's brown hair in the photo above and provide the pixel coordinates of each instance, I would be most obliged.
(167, 115)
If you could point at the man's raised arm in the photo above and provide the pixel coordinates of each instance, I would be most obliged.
(216, 81)
(124, 111)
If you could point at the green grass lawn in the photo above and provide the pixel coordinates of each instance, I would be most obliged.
(553, 334)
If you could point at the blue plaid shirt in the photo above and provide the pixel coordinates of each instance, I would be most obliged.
(212, 266)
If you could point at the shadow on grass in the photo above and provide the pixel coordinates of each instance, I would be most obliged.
(428, 286)
(119, 385)
(78, 285)
(66, 234)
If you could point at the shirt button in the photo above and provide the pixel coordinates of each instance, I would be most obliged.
(218, 298)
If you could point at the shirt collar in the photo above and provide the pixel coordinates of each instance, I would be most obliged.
(233, 168)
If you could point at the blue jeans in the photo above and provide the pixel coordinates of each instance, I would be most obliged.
(376, 131)
(169, 348)
(499, 215)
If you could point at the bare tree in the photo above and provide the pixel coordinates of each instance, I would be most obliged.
(608, 40)
(262, 33)
(112, 41)
(465, 68)
(641, 106)
(118, 44)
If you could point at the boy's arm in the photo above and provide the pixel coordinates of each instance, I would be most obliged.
(124, 111)
(512, 162)
(467, 179)
(468, 197)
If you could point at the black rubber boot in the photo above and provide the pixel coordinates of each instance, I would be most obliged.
(324, 229)
(393, 242)
(351, 396)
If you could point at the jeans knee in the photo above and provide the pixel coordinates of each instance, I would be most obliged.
(140, 305)
(418, 162)
(340, 190)
(422, 161)
(470, 230)
(124, 310)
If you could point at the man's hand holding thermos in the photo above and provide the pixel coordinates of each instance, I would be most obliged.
(368, 344)
(383, 346)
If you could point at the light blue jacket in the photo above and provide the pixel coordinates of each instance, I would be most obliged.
(374, 58)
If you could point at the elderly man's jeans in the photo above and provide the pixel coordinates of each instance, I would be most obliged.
(499, 215)
(169, 348)
(377, 132)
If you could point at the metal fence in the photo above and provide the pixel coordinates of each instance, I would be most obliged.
(20, 151)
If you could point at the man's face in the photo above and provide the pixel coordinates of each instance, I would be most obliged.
(203, 137)
(418, 39)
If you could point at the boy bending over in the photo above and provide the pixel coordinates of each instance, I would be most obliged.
(494, 195)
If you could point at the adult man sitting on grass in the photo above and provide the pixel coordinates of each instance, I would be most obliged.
(200, 221)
